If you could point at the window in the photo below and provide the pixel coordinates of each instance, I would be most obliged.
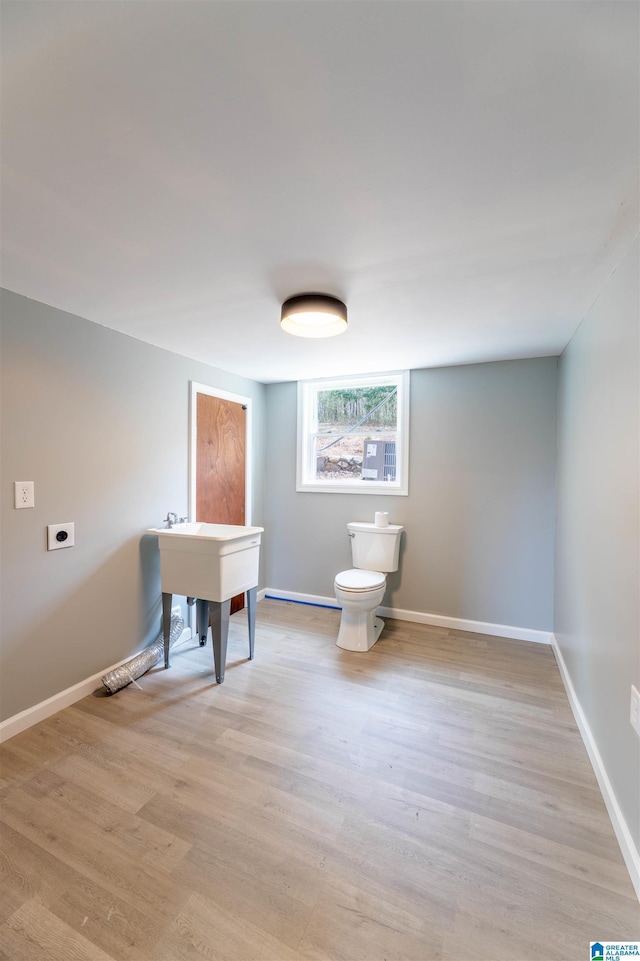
(353, 434)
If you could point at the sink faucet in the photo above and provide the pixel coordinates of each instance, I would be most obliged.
(171, 519)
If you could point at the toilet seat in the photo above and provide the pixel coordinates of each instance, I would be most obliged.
(358, 581)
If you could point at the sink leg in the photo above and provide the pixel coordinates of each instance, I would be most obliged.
(220, 611)
(202, 608)
(252, 596)
(166, 624)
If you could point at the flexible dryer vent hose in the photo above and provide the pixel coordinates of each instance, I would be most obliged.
(143, 662)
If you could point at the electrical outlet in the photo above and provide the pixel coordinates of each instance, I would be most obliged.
(23, 494)
(60, 535)
(635, 710)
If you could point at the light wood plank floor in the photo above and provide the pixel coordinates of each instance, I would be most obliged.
(431, 799)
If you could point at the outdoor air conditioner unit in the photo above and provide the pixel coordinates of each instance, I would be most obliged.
(379, 460)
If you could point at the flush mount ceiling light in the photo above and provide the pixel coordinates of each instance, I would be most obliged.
(313, 315)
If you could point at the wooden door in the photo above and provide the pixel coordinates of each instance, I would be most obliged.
(220, 465)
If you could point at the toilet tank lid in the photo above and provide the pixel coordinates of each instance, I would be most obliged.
(362, 526)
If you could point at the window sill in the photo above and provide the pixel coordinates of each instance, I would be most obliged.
(356, 487)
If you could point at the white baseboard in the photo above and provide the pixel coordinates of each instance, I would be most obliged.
(316, 599)
(39, 712)
(422, 617)
(476, 627)
(627, 846)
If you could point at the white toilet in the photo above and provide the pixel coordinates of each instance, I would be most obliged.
(359, 591)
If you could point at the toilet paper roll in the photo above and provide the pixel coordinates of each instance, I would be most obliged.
(382, 519)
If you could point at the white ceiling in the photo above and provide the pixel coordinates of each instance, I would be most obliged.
(462, 174)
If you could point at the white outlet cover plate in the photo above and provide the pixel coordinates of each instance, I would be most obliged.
(55, 538)
(23, 494)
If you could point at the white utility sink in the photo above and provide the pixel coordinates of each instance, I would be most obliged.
(209, 561)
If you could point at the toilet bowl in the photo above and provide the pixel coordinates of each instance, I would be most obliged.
(360, 590)
(359, 594)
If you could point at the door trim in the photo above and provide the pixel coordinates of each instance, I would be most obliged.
(195, 389)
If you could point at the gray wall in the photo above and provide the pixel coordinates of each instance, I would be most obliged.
(480, 510)
(597, 608)
(100, 422)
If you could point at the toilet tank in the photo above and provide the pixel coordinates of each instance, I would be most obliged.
(375, 548)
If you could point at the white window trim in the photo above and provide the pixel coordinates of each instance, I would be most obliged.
(307, 391)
